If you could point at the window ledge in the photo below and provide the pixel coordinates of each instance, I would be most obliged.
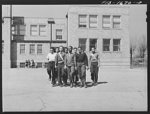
(111, 28)
(32, 54)
(40, 54)
(23, 54)
(117, 52)
(107, 52)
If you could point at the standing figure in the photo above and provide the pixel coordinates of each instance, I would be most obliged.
(94, 62)
(65, 76)
(60, 65)
(56, 70)
(82, 65)
(76, 79)
(51, 66)
(71, 65)
(26, 63)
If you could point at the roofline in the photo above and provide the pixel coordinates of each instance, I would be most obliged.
(38, 17)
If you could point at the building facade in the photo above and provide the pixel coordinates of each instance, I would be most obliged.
(102, 27)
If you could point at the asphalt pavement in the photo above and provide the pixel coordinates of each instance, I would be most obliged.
(117, 90)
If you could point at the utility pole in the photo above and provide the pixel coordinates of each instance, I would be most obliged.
(10, 34)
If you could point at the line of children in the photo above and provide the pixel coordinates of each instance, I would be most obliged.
(67, 67)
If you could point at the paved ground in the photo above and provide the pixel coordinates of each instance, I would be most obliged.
(118, 90)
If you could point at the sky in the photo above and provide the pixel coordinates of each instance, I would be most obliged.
(137, 15)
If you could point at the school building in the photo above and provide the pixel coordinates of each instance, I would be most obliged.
(102, 27)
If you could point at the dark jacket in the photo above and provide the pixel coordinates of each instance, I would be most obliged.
(82, 58)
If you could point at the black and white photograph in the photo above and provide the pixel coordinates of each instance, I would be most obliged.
(69, 57)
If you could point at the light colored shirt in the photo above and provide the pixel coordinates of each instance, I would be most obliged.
(51, 57)
(94, 57)
(70, 59)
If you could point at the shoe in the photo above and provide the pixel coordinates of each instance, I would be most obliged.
(95, 84)
(71, 85)
(61, 85)
(81, 86)
(85, 86)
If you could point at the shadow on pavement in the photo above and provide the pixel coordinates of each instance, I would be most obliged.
(89, 84)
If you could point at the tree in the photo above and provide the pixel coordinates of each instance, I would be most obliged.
(133, 46)
(142, 45)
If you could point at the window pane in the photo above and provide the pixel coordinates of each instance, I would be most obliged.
(39, 49)
(116, 25)
(93, 21)
(22, 48)
(82, 18)
(33, 30)
(42, 29)
(59, 34)
(106, 44)
(105, 48)
(106, 21)
(116, 44)
(34, 27)
(39, 64)
(116, 18)
(116, 21)
(82, 43)
(93, 43)
(32, 48)
(93, 18)
(82, 21)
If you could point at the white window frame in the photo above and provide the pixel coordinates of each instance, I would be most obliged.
(36, 30)
(119, 45)
(41, 49)
(106, 45)
(113, 22)
(90, 22)
(22, 49)
(57, 35)
(32, 49)
(82, 24)
(44, 31)
(110, 24)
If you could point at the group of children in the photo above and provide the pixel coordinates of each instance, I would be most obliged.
(30, 63)
(68, 66)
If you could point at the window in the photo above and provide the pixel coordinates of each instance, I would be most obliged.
(93, 21)
(33, 30)
(116, 44)
(93, 43)
(22, 65)
(32, 48)
(39, 65)
(42, 30)
(82, 43)
(82, 21)
(106, 44)
(39, 49)
(22, 48)
(18, 29)
(106, 21)
(116, 22)
(58, 34)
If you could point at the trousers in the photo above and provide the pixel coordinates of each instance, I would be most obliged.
(51, 71)
(61, 73)
(71, 70)
(94, 71)
(81, 72)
